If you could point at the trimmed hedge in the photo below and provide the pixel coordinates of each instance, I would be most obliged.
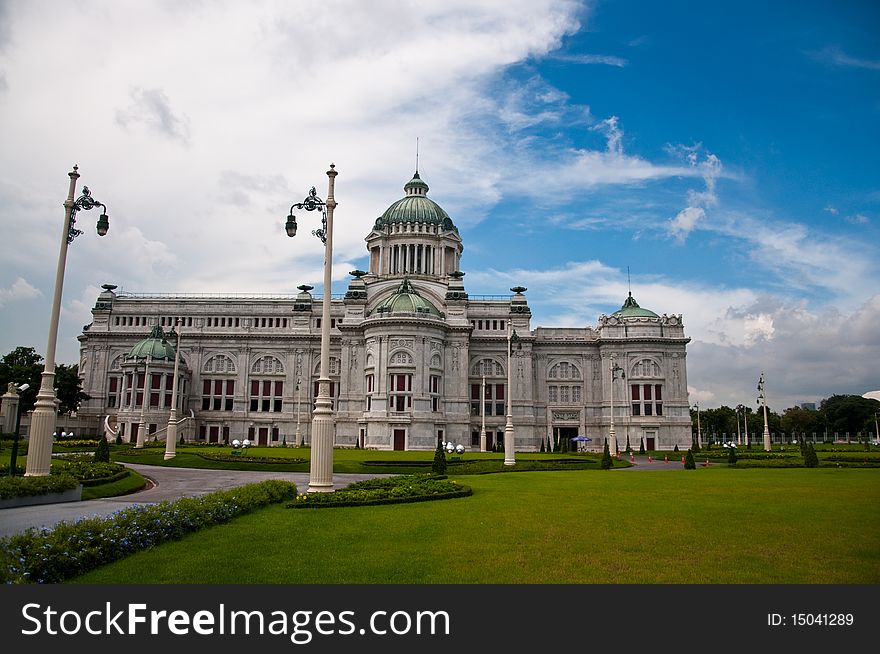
(73, 548)
(99, 481)
(394, 490)
(248, 459)
(30, 486)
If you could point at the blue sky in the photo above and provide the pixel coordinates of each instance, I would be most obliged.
(725, 153)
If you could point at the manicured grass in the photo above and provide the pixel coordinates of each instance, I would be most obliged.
(352, 460)
(129, 484)
(713, 525)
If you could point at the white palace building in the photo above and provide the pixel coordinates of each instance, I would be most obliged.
(414, 359)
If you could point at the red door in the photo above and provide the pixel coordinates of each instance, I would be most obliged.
(400, 439)
(264, 435)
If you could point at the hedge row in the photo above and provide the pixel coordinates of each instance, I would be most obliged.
(29, 486)
(393, 490)
(73, 548)
(100, 481)
(248, 459)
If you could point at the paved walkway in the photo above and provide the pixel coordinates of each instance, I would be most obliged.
(641, 462)
(165, 484)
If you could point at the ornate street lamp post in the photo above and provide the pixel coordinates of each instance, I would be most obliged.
(145, 401)
(298, 437)
(19, 389)
(699, 431)
(321, 466)
(483, 415)
(762, 399)
(509, 433)
(738, 408)
(171, 433)
(612, 436)
(45, 411)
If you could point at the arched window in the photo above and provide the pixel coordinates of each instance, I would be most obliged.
(566, 394)
(487, 368)
(400, 359)
(646, 398)
(219, 364)
(267, 365)
(564, 370)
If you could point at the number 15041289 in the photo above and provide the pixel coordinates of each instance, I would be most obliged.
(810, 620)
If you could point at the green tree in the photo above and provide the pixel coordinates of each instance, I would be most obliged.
(606, 462)
(731, 455)
(849, 413)
(22, 366)
(641, 446)
(102, 453)
(689, 463)
(439, 465)
(810, 458)
(68, 388)
(797, 420)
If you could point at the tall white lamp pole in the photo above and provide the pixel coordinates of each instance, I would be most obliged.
(483, 415)
(321, 466)
(171, 433)
(612, 436)
(762, 398)
(146, 400)
(298, 437)
(45, 411)
(509, 433)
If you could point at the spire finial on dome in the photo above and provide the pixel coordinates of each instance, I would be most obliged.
(417, 156)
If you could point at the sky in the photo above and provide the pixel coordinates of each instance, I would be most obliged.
(718, 159)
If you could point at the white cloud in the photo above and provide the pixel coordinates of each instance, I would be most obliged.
(20, 289)
(834, 55)
(608, 60)
(151, 108)
(709, 169)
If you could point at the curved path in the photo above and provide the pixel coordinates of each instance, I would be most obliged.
(165, 484)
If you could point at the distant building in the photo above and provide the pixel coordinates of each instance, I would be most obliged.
(414, 360)
(808, 405)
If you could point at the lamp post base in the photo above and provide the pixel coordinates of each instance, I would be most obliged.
(43, 421)
(171, 438)
(321, 467)
(509, 445)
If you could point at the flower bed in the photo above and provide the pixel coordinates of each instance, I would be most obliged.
(393, 490)
(72, 548)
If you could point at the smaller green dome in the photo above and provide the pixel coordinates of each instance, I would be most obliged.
(406, 300)
(153, 346)
(631, 309)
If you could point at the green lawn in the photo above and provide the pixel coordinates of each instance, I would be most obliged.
(712, 525)
(350, 460)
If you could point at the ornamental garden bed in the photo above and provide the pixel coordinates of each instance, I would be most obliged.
(393, 490)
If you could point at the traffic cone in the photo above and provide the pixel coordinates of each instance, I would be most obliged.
(707, 463)
(682, 460)
(665, 458)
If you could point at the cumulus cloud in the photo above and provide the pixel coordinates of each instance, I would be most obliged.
(20, 289)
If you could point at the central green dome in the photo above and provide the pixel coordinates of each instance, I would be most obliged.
(415, 207)
(406, 299)
(153, 346)
(631, 309)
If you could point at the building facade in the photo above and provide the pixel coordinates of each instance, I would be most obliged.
(414, 359)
